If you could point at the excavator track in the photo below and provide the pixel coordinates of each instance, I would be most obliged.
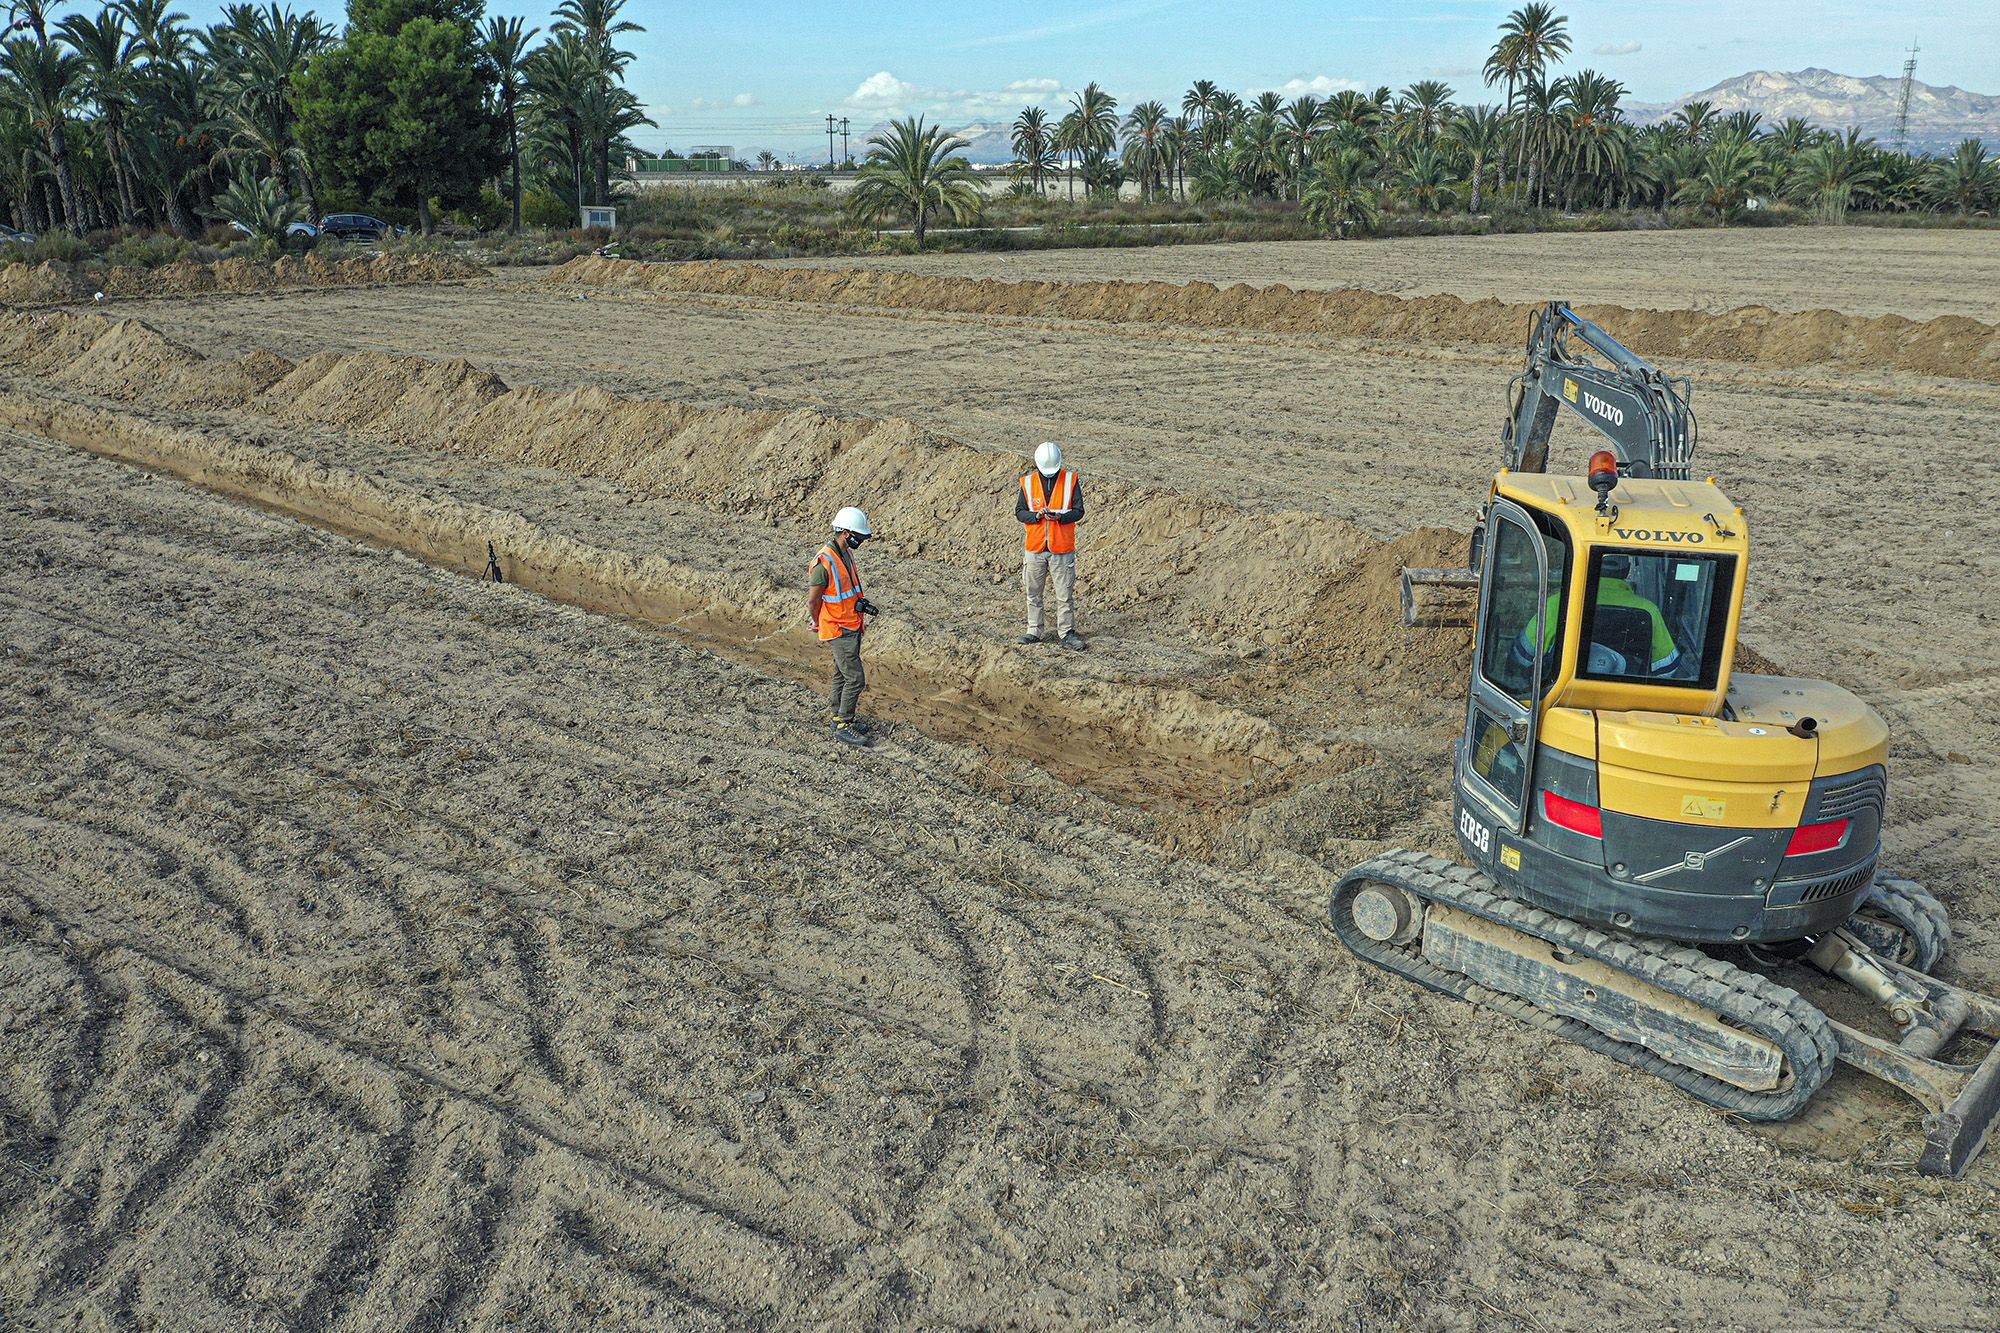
(1742, 1000)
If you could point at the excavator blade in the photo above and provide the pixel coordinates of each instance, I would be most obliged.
(1954, 1136)
(1414, 578)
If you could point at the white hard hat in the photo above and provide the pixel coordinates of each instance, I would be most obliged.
(851, 519)
(1048, 458)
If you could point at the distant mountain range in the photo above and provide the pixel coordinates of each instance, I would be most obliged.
(1939, 117)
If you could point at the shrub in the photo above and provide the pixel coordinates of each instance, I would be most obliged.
(539, 208)
(140, 251)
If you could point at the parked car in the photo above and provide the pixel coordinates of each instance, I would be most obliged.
(359, 227)
(11, 236)
(291, 229)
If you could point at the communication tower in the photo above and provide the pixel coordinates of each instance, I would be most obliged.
(1903, 101)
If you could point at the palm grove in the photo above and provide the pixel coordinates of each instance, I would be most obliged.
(132, 117)
(1554, 140)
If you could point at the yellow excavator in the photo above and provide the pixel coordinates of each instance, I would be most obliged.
(1652, 838)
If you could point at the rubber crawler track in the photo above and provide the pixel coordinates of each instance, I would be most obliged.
(1745, 999)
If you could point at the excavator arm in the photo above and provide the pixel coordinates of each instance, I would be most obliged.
(1642, 412)
(1574, 364)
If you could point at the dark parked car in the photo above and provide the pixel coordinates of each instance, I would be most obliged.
(358, 227)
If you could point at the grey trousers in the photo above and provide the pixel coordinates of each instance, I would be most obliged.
(848, 677)
(1040, 566)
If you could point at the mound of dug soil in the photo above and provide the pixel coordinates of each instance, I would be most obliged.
(57, 284)
(1232, 573)
(1950, 345)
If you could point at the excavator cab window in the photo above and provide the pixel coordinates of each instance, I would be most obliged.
(1525, 587)
(1653, 617)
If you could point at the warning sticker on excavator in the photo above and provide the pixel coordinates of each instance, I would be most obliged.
(1700, 807)
(1569, 390)
(1510, 857)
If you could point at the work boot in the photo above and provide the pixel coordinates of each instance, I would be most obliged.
(858, 724)
(851, 734)
(1029, 638)
(1074, 642)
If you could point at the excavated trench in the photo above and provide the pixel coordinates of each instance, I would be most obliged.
(1161, 735)
(1949, 345)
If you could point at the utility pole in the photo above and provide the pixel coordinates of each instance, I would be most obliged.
(1903, 105)
(829, 139)
(845, 155)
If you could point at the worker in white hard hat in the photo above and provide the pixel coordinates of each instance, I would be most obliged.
(1049, 504)
(837, 613)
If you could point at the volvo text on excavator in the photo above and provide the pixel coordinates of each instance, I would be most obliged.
(1654, 840)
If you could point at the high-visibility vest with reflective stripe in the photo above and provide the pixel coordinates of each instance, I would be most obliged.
(1049, 535)
(840, 604)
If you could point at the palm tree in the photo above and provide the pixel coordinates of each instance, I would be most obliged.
(1743, 124)
(1425, 179)
(1696, 121)
(257, 54)
(1530, 38)
(1588, 107)
(157, 29)
(1176, 141)
(258, 204)
(1199, 102)
(1340, 196)
(1829, 176)
(1034, 144)
(1479, 132)
(594, 23)
(174, 138)
(48, 77)
(1730, 172)
(1145, 133)
(1425, 106)
(1296, 127)
(767, 160)
(1096, 114)
(108, 52)
(506, 46)
(1213, 179)
(1967, 181)
(913, 171)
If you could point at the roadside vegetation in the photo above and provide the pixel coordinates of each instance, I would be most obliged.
(134, 137)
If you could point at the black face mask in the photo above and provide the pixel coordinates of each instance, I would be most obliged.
(854, 540)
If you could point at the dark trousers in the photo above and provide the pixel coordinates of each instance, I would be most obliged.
(848, 677)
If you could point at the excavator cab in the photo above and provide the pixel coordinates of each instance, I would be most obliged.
(1613, 768)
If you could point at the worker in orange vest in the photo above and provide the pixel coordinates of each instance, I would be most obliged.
(1049, 505)
(837, 611)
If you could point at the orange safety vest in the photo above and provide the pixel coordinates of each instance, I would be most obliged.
(1049, 535)
(840, 604)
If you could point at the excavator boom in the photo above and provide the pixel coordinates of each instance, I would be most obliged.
(1572, 363)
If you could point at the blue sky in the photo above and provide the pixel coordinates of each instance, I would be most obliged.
(764, 73)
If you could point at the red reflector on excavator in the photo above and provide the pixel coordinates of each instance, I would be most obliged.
(1812, 838)
(1573, 815)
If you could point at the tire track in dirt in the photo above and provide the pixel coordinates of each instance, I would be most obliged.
(313, 1037)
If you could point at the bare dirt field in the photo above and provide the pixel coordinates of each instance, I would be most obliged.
(1921, 273)
(386, 947)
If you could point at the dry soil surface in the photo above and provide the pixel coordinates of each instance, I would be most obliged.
(383, 947)
(1921, 273)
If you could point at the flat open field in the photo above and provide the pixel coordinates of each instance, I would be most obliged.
(1859, 270)
(383, 947)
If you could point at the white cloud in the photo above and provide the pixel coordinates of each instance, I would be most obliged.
(1617, 48)
(883, 94)
(725, 104)
(743, 99)
(1319, 85)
